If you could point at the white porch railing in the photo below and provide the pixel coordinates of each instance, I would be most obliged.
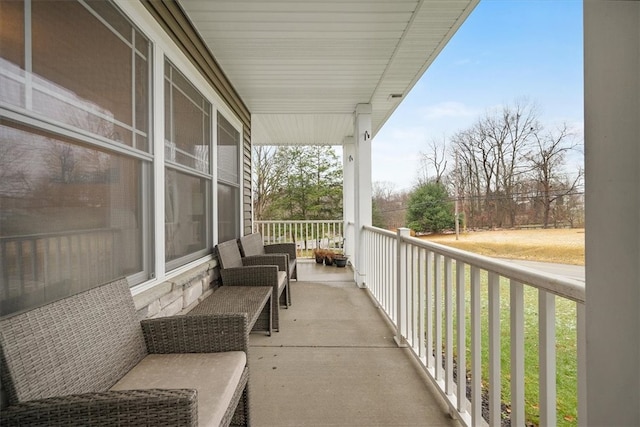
(307, 235)
(413, 282)
(41, 267)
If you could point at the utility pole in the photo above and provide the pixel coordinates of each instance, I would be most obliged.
(457, 196)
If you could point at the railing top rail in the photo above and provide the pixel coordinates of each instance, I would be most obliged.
(56, 234)
(558, 285)
(293, 221)
(376, 230)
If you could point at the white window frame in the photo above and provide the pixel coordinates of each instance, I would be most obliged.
(36, 120)
(154, 268)
(163, 46)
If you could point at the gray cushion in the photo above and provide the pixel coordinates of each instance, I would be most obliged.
(282, 280)
(229, 254)
(214, 376)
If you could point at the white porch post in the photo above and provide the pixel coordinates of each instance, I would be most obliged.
(349, 195)
(362, 160)
(612, 159)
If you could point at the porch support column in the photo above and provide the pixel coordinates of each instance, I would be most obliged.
(362, 159)
(349, 195)
(612, 160)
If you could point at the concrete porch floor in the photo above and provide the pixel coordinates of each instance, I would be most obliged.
(335, 363)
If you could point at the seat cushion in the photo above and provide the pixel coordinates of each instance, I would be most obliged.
(215, 376)
(282, 280)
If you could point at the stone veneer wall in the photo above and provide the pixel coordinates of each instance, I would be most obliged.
(179, 294)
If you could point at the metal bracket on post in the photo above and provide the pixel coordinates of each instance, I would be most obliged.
(401, 286)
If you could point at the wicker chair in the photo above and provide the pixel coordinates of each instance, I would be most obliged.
(88, 360)
(260, 270)
(252, 244)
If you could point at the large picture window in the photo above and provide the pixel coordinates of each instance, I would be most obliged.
(188, 170)
(228, 180)
(87, 67)
(71, 216)
(82, 196)
(75, 150)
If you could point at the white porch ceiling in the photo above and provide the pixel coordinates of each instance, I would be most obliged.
(302, 66)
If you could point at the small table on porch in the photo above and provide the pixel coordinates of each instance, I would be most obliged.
(253, 300)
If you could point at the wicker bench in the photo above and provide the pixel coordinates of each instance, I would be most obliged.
(253, 300)
(88, 360)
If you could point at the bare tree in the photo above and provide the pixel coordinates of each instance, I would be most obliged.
(389, 205)
(491, 166)
(509, 133)
(477, 169)
(62, 162)
(13, 179)
(547, 159)
(435, 158)
(267, 172)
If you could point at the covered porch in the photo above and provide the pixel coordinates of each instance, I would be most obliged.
(150, 201)
(335, 362)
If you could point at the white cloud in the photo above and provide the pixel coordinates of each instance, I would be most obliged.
(464, 61)
(449, 109)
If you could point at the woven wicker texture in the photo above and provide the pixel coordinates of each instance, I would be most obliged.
(279, 260)
(197, 333)
(256, 301)
(230, 256)
(69, 346)
(253, 244)
(124, 408)
(58, 361)
(266, 275)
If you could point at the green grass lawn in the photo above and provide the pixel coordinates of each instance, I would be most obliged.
(566, 351)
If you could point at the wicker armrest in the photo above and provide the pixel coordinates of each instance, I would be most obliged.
(265, 275)
(123, 408)
(281, 260)
(210, 333)
(281, 248)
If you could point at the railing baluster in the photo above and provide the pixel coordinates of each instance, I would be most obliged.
(45, 260)
(401, 282)
(408, 295)
(448, 276)
(517, 353)
(476, 348)
(20, 265)
(34, 261)
(59, 261)
(415, 313)
(582, 364)
(547, 357)
(422, 303)
(495, 387)
(461, 344)
(393, 274)
(4, 273)
(433, 278)
(448, 313)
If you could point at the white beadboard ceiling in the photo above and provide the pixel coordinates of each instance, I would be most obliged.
(302, 66)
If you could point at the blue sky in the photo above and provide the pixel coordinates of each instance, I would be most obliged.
(506, 50)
